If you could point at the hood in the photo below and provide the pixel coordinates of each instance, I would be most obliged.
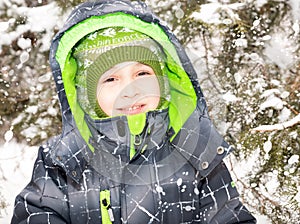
(187, 104)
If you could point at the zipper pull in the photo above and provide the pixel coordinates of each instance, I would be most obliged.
(137, 140)
(109, 210)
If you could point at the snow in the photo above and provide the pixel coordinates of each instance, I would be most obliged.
(280, 126)
(24, 43)
(272, 184)
(210, 13)
(35, 22)
(272, 101)
(296, 28)
(24, 57)
(280, 50)
(293, 159)
(260, 3)
(45, 78)
(256, 23)
(31, 132)
(240, 169)
(284, 115)
(229, 98)
(267, 146)
(15, 172)
(8, 135)
(179, 182)
(32, 109)
(297, 197)
(241, 42)
(4, 26)
(16, 160)
(295, 4)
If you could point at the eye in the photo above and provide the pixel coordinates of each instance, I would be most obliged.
(144, 73)
(109, 79)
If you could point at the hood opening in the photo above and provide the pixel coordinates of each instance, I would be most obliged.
(183, 97)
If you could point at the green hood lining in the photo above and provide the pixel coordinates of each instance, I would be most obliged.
(183, 96)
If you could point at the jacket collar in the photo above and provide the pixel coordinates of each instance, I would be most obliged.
(116, 131)
(198, 142)
(112, 140)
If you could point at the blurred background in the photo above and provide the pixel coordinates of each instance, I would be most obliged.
(246, 53)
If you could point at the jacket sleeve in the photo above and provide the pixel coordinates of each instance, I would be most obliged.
(220, 200)
(42, 200)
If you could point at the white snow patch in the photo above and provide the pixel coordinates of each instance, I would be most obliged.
(179, 182)
(52, 111)
(269, 92)
(4, 26)
(295, 5)
(30, 132)
(8, 136)
(34, 16)
(242, 168)
(15, 172)
(256, 23)
(159, 189)
(18, 119)
(272, 102)
(272, 184)
(267, 146)
(284, 115)
(266, 37)
(293, 159)
(296, 28)
(260, 3)
(24, 43)
(210, 13)
(24, 57)
(189, 208)
(297, 196)
(196, 191)
(229, 97)
(38, 19)
(32, 109)
(280, 50)
(241, 42)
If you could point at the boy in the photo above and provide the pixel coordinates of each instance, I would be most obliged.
(137, 144)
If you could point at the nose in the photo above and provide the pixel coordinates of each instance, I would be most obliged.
(130, 90)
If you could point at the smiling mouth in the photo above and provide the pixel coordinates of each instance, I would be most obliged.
(135, 109)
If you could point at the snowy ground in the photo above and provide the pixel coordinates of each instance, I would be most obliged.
(16, 165)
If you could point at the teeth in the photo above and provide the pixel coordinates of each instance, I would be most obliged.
(133, 108)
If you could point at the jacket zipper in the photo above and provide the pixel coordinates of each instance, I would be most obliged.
(135, 143)
(106, 210)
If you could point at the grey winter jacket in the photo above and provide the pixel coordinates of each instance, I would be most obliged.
(86, 175)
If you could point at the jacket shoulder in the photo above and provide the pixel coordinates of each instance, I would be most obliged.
(201, 144)
(68, 152)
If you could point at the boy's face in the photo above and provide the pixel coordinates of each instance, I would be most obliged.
(129, 89)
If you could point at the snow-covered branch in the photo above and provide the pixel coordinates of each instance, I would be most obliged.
(276, 127)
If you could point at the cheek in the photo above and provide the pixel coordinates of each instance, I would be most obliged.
(150, 86)
(106, 98)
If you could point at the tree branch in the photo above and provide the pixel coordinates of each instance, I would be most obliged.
(277, 127)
